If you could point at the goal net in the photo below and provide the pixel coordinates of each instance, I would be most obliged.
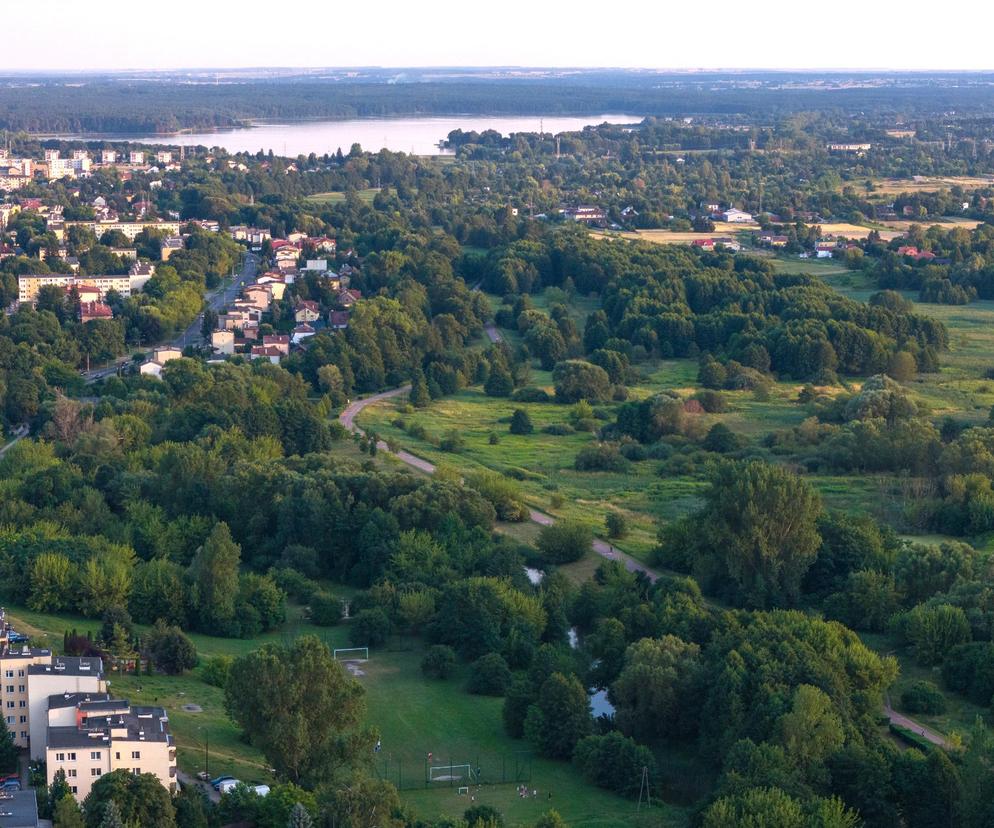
(451, 773)
(351, 654)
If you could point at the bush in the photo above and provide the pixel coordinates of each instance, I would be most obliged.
(559, 429)
(170, 650)
(483, 815)
(521, 423)
(439, 661)
(564, 541)
(215, 670)
(295, 584)
(616, 525)
(721, 439)
(490, 677)
(600, 457)
(371, 628)
(326, 609)
(713, 402)
(530, 394)
(452, 442)
(923, 697)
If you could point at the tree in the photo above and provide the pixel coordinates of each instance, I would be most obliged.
(811, 731)
(657, 691)
(67, 813)
(902, 366)
(935, 630)
(171, 651)
(370, 628)
(490, 676)
(362, 802)
(614, 762)
(439, 661)
(500, 383)
(560, 716)
(50, 578)
(139, 800)
(483, 816)
(213, 580)
(576, 380)
(564, 541)
(758, 533)
(8, 749)
(299, 706)
(299, 818)
(418, 396)
(521, 423)
(616, 524)
(112, 816)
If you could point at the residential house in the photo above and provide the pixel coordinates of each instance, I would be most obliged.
(270, 352)
(302, 332)
(259, 296)
(170, 245)
(728, 243)
(223, 341)
(62, 674)
(586, 213)
(348, 297)
(338, 320)
(140, 273)
(316, 265)
(160, 356)
(136, 157)
(278, 341)
(306, 311)
(323, 244)
(88, 311)
(163, 157)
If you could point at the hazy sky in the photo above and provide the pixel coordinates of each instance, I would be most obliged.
(113, 34)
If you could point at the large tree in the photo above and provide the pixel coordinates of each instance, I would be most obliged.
(213, 579)
(141, 800)
(299, 706)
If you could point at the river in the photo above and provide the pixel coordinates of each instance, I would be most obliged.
(418, 136)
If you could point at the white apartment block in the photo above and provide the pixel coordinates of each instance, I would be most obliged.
(28, 286)
(62, 674)
(129, 228)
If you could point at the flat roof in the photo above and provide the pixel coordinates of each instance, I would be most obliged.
(69, 666)
(59, 700)
(19, 809)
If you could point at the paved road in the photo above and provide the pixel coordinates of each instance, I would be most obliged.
(353, 409)
(19, 434)
(912, 725)
(216, 300)
(492, 333)
(191, 781)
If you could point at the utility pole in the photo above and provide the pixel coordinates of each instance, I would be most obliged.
(644, 791)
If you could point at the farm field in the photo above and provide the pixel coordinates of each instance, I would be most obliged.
(854, 231)
(945, 222)
(926, 184)
(414, 715)
(721, 228)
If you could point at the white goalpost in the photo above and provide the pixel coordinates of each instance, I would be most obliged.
(451, 773)
(351, 654)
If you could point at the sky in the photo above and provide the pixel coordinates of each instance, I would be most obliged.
(655, 34)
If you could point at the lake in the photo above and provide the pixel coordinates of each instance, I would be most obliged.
(418, 136)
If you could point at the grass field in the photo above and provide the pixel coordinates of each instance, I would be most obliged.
(721, 228)
(924, 184)
(366, 195)
(414, 715)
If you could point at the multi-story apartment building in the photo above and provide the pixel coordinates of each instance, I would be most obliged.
(93, 734)
(29, 285)
(62, 674)
(129, 228)
(14, 665)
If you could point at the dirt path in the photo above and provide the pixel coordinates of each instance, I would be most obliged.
(354, 408)
(915, 727)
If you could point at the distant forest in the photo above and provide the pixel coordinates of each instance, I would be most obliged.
(61, 105)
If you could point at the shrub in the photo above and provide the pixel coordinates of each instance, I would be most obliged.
(521, 423)
(530, 394)
(371, 628)
(170, 650)
(295, 584)
(483, 815)
(439, 661)
(215, 670)
(713, 402)
(721, 439)
(452, 442)
(490, 677)
(564, 541)
(559, 429)
(326, 609)
(923, 697)
(600, 457)
(616, 525)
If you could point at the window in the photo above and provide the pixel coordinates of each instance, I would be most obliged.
(21, 688)
(10, 688)
(73, 789)
(60, 757)
(10, 720)
(117, 754)
(9, 674)
(94, 754)
(95, 771)
(20, 674)
(10, 704)
(136, 771)
(136, 754)
(72, 757)
(22, 703)
(24, 734)
(23, 719)
(71, 773)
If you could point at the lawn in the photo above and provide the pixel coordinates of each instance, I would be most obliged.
(414, 715)
(366, 196)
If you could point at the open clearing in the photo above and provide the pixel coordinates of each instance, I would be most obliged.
(854, 231)
(925, 184)
(366, 196)
(414, 715)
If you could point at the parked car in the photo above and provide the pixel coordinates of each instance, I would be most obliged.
(261, 790)
(11, 785)
(227, 785)
(218, 780)
(203, 776)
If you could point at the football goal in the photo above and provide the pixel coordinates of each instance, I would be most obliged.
(451, 773)
(351, 654)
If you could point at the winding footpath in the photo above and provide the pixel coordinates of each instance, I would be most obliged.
(354, 408)
(915, 727)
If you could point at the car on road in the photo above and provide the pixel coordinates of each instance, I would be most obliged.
(11, 785)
